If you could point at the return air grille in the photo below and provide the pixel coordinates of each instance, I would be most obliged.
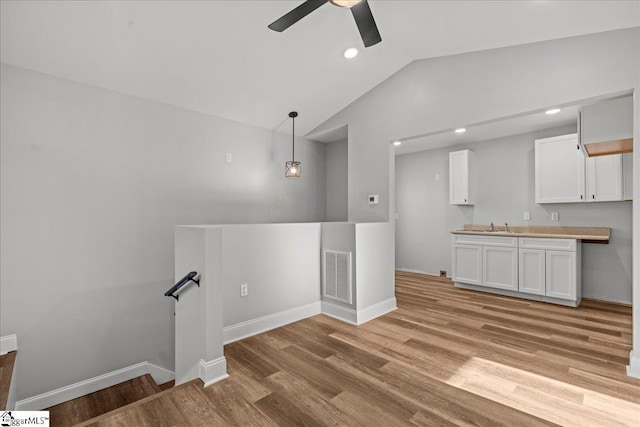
(336, 275)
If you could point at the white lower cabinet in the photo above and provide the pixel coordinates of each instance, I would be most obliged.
(561, 274)
(467, 264)
(532, 274)
(538, 268)
(485, 260)
(500, 267)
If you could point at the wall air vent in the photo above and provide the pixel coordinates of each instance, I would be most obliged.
(336, 275)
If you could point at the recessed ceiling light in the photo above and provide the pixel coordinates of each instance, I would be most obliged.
(552, 111)
(352, 52)
(460, 130)
(396, 143)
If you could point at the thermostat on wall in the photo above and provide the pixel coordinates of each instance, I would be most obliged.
(373, 199)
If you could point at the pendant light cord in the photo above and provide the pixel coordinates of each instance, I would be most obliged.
(293, 116)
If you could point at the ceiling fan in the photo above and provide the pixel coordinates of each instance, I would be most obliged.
(359, 8)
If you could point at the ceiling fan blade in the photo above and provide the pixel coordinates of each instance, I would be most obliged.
(296, 14)
(366, 24)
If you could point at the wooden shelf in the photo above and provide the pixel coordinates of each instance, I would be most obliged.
(619, 146)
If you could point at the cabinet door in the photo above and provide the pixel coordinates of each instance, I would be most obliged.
(460, 166)
(500, 267)
(467, 264)
(604, 178)
(531, 271)
(627, 176)
(561, 274)
(559, 170)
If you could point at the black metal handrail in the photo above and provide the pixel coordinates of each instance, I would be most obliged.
(186, 279)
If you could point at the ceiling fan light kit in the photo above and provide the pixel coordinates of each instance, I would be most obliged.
(359, 9)
(345, 3)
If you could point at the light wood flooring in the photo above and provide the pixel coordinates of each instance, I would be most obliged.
(446, 357)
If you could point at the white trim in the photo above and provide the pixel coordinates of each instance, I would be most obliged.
(633, 368)
(339, 312)
(522, 295)
(271, 321)
(213, 371)
(411, 270)
(8, 343)
(376, 310)
(607, 299)
(82, 388)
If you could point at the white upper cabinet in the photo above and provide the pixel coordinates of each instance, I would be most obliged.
(559, 170)
(627, 176)
(604, 178)
(461, 177)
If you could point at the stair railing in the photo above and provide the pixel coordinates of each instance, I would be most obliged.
(190, 277)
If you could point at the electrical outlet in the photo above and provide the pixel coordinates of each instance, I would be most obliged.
(244, 289)
(443, 273)
(437, 177)
(555, 216)
(228, 157)
(527, 216)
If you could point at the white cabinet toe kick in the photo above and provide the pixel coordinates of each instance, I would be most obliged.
(540, 269)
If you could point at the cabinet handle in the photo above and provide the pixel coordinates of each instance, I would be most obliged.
(593, 196)
(581, 198)
(465, 200)
(578, 146)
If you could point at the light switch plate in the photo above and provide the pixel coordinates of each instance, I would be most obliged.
(437, 178)
(228, 157)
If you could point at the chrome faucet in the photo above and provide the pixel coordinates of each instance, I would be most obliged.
(506, 227)
(492, 227)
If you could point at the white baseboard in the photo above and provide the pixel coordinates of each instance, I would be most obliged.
(82, 388)
(8, 343)
(606, 299)
(376, 310)
(339, 312)
(271, 321)
(411, 270)
(213, 371)
(633, 369)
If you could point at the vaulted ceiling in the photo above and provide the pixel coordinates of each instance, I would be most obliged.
(220, 58)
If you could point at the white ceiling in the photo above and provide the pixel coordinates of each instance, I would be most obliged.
(220, 58)
(491, 130)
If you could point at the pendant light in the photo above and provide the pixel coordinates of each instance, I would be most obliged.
(292, 168)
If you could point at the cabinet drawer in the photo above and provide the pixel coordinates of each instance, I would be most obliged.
(552, 244)
(473, 239)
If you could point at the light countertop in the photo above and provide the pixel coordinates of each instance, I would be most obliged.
(594, 234)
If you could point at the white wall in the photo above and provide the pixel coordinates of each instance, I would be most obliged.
(337, 177)
(279, 262)
(93, 183)
(341, 236)
(375, 269)
(504, 191)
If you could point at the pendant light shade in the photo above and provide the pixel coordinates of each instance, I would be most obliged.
(292, 168)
